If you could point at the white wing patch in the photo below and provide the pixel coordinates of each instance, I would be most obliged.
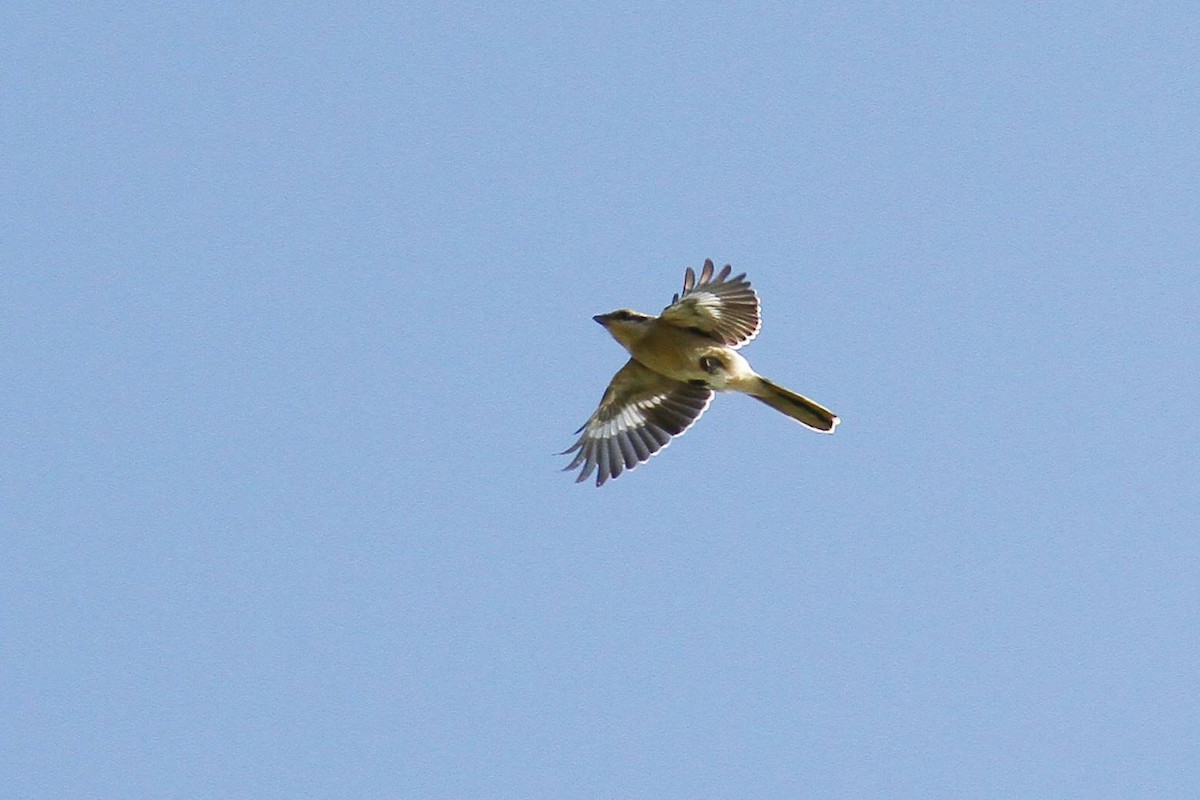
(639, 415)
(723, 308)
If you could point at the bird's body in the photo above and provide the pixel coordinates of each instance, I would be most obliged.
(677, 360)
(668, 349)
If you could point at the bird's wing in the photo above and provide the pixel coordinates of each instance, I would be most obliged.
(723, 308)
(639, 414)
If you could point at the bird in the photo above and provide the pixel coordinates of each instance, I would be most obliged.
(677, 361)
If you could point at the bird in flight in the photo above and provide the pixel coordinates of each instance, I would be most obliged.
(679, 358)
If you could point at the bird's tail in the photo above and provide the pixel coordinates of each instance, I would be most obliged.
(799, 408)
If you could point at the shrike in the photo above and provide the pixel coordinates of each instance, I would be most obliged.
(679, 359)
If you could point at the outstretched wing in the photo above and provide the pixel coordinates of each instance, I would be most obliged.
(721, 307)
(639, 414)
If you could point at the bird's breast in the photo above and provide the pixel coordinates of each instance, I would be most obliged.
(686, 356)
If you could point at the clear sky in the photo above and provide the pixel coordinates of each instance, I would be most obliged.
(296, 308)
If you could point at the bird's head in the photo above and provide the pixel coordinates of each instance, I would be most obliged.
(624, 325)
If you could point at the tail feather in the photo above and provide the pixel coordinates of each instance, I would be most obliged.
(799, 408)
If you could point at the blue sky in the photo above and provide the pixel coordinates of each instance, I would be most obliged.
(297, 309)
